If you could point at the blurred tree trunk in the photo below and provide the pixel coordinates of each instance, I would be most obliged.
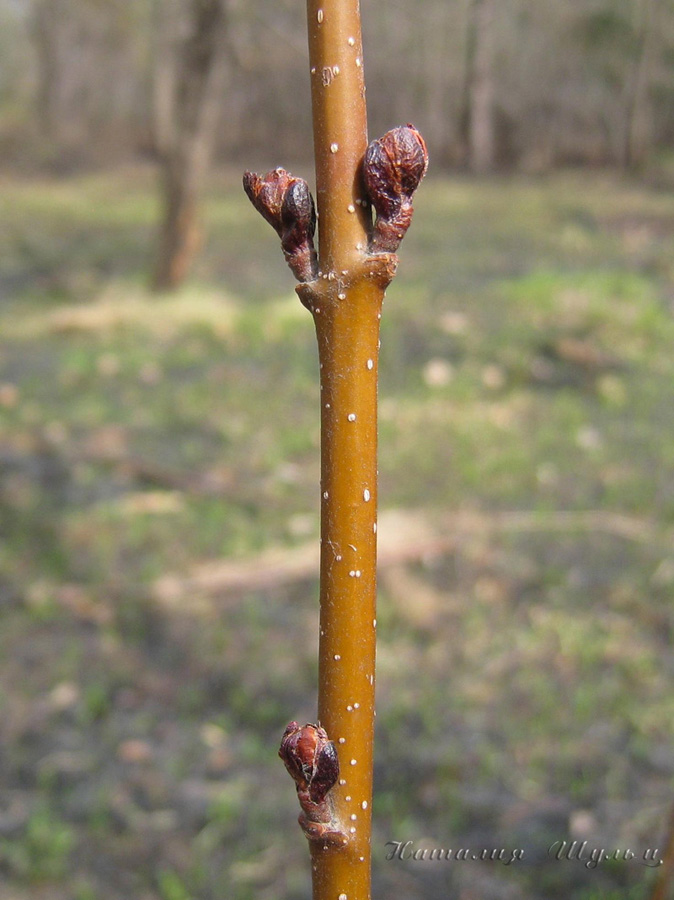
(168, 22)
(435, 51)
(45, 18)
(478, 114)
(189, 74)
(635, 135)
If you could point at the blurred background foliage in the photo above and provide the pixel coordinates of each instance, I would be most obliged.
(159, 450)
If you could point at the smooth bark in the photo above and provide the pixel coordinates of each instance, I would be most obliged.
(346, 311)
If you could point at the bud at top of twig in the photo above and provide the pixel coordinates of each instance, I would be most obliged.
(392, 170)
(286, 203)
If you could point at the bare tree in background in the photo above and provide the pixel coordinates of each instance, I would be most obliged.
(87, 76)
(47, 19)
(479, 87)
(637, 111)
(528, 83)
(189, 77)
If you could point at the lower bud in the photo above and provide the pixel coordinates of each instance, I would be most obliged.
(311, 759)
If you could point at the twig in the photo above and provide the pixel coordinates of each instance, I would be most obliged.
(343, 287)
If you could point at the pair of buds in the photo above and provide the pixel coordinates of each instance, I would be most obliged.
(392, 169)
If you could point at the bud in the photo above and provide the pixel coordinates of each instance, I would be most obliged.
(298, 218)
(392, 170)
(266, 194)
(310, 758)
(286, 203)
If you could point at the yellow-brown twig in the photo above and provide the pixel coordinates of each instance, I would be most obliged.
(346, 310)
(343, 287)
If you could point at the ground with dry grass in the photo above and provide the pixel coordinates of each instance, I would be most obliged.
(159, 501)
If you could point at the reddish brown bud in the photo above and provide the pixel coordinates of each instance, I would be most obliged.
(266, 194)
(286, 203)
(392, 170)
(310, 758)
(298, 217)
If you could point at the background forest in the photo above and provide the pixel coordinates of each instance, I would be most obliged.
(159, 450)
(513, 83)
